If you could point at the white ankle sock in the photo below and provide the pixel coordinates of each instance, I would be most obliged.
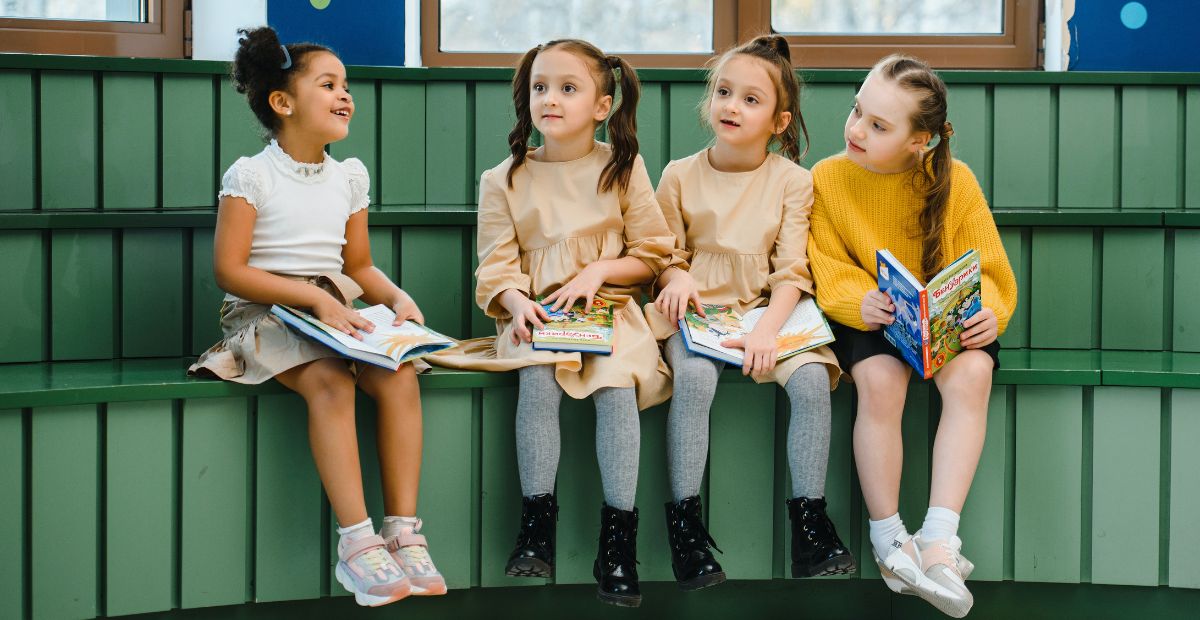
(884, 533)
(393, 525)
(357, 531)
(940, 523)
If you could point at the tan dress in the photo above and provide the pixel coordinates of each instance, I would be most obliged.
(744, 234)
(536, 236)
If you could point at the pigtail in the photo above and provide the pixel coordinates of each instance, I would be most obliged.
(518, 138)
(937, 196)
(622, 129)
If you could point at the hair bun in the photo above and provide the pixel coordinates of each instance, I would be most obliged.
(776, 43)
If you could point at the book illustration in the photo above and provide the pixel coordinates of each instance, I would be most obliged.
(388, 346)
(578, 329)
(805, 329)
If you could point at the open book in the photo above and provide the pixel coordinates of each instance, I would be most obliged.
(389, 346)
(572, 329)
(929, 318)
(804, 330)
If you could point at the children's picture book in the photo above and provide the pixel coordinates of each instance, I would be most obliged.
(389, 346)
(805, 329)
(929, 318)
(585, 330)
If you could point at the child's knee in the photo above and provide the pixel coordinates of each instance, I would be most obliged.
(967, 376)
(330, 387)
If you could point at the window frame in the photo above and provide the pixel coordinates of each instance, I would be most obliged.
(725, 16)
(160, 36)
(1016, 48)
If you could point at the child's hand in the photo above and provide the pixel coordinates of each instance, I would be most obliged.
(525, 313)
(979, 330)
(406, 310)
(673, 300)
(341, 318)
(877, 309)
(761, 350)
(581, 287)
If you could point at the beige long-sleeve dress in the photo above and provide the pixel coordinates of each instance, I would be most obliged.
(744, 234)
(538, 235)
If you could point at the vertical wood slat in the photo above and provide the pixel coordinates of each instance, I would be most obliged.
(1183, 564)
(64, 512)
(1017, 333)
(14, 574)
(1133, 270)
(402, 144)
(652, 129)
(17, 158)
(1125, 488)
(685, 134)
(447, 486)
(240, 133)
(1149, 157)
(129, 144)
(23, 333)
(825, 108)
(83, 284)
(140, 507)
(188, 141)
(215, 518)
(1061, 312)
(207, 297)
(1048, 473)
(67, 125)
(968, 111)
(653, 489)
(494, 118)
(364, 133)
(448, 170)
(580, 493)
(433, 273)
(1022, 147)
(1186, 328)
(987, 505)
(1191, 153)
(1086, 115)
(152, 292)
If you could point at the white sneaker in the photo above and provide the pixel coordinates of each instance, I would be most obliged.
(965, 567)
(410, 550)
(930, 571)
(367, 570)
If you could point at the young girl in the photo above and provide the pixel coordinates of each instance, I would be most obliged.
(889, 190)
(572, 220)
(292, 229)
(740, 216)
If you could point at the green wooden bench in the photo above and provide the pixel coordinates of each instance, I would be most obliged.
(111, 168)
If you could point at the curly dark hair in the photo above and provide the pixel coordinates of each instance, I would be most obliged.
(259, 69)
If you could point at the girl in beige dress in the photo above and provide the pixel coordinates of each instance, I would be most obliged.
(740, 215)
(572, 220)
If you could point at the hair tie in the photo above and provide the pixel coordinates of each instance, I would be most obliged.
(287, 58)
(614, 62)
(947, 129)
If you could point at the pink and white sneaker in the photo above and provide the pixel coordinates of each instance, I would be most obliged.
(965, 567)
(411, 552)
(367, 570)
(930, 571)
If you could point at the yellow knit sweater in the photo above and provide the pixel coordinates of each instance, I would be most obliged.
(856, 212)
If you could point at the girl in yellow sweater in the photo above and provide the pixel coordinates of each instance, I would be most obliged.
(890, 190)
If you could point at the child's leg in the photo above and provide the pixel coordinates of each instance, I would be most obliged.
(538, 438)
(808, 430)
(687, 422)
(328, 388)
(618, 444)
(399, 435)
(882, 384)
(965, 384)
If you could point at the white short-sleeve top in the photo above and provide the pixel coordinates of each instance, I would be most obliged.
(302, 208)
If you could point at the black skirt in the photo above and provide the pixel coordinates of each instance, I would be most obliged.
(853, 346)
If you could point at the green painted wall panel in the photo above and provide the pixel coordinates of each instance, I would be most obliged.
(494, 118)
(1133, 270)
(653, 490)
(1150, 132)
(1061, 312)
(83, 314)
(64, 512)
(686, 134)
(17, 135)
(13, 572)
(500, 488)
(580, 493)
(1125, 468)
(1016, 335)
(1023, 140)
(189, 175)
(129, 125)
(742, 448)
(1186, 326)
(23, 334)
(990, 500)
(1183, 563)
(216, 517)
(447, 498)
(288, 532)
(207, 297)
(140, 507)
(239, 134)
(1049, 472)
(1191, 153)
(481, 324)
(383, 245)
(652, 128)
(152, 292)
(448, 150)
(438, 292)
(1087, 146)
(401, 144)
(968, 111)
(364, 133)
(67, 124)
(825, 108)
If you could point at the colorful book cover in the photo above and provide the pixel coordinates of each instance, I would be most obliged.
(929, 318)
(577, 329)
(388, 346)
(804, 330)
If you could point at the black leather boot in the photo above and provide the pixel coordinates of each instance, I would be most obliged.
(691, 561)
(534, 553)
(615, 569)
(816, 548)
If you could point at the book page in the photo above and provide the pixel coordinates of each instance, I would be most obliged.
(722, 324)
(394, 340)
(804, 328)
